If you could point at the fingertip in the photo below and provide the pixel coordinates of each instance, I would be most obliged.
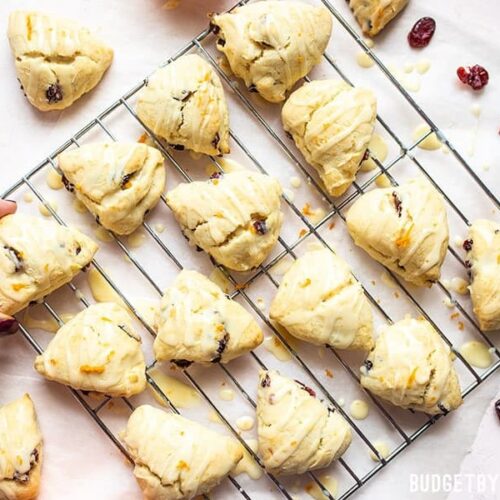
(7, 207)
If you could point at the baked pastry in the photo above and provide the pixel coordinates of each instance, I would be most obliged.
(20, 450)
(373, 15)
(271, 45)
(411, 366)
(405, 228)
(184, 104)
(176, 458)
(296, 431)
(234, 217)
(99, 351)
(483, 259)
(57, 60)
(331, 124)
(320, 301)
(37, 257)
(118, 182)
(198, 323)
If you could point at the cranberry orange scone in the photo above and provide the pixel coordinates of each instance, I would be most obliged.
(57, 60)
(176, 458)
(20, 450)
(271, 45)
(118, 182)
(411, 366)
(405, 228)
(373, 15)
(36, 258)
(331, 124)
(198, 323)
(296, 431)
(320, 301)
(234, 217)
(184, 104)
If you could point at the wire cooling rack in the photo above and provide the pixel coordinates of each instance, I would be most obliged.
(401, 427)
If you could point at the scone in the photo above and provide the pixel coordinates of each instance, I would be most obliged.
(483, 259)
(331, 124)
(20, 450)
(99, 351)
(320, 301)
(373, 15)
(296, 431)
(37, 257)
(271, 45)
(176, 458)
(405, 228)
(198, 323)
(57, 60)
(411, 366)
(118, 182)
(184, 104)
(234, 217)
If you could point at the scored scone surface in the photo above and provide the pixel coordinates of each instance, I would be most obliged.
(296, 431)
(98, 350)
(36, 257)
(57, 60)
(117, 182)
(271, 45)
(236, 218)
(374, 15)
(405, 228)
(198, 323)
(331, 124)
(184, 104)
(321, 302)
(176, 458)
(411, 366)
(20, 450)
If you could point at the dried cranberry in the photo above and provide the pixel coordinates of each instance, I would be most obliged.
(216, 175)
(306, 388)
(260, 226)
(54, 93)
(475, 76)
(69, 187)
(422, 32)
(467, 245)
(221, 347)
(181, 363)
(497, 408)
(266, 381)
(368, 364)
(468, 264)
(125, 180)
(397, 203)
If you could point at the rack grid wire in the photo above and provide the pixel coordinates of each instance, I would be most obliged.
(242, 289)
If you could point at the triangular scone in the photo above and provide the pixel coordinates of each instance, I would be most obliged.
(483, 258)
(99, 351)
(118, 182)
(36, 257)
(176, 458)
(184, 104)
(331, 124)
(271, 45)
(234, 217)
(20, 450)
(198, 323)
(373, 15)
(321, 302)
(57, 60)
(296, 431)
(405, 228)
(411, 366)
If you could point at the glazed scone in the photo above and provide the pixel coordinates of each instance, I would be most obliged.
(411, 366)
(118, 182)
(405, 228)
(176, 458)
(20, 450)
(373, 15)
(271, 45)
(321, 302)
(483, 258)
(331, 124)
(99, 351)
(184, 104)
(296, 431)
(37, 257)
(198, 323)
(234, 217)
(57, 60)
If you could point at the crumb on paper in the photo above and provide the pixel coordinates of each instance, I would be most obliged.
(302, 232)
(328, 373)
